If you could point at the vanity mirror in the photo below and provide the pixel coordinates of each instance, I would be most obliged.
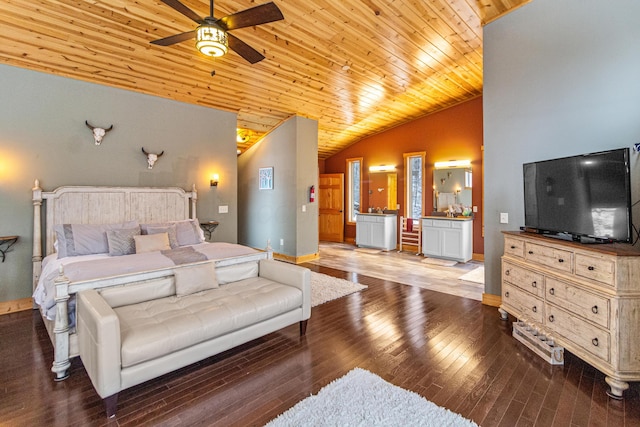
(452, 187)
(383, 191)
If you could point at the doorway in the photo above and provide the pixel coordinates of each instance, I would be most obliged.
(331, 207)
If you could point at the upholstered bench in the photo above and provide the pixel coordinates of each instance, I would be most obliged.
(131, 334)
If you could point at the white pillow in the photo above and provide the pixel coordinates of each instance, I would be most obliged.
(196, 278)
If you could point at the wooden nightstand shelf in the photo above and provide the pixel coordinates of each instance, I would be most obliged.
(5, 244)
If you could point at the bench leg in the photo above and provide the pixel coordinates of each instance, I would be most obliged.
(111, 404)
(303, 327)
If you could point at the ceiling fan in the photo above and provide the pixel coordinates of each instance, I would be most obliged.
(212, 37)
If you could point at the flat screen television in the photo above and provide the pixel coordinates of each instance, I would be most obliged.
(585, 198)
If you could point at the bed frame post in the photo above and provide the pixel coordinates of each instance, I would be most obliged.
(37, 233)
(61, 361)
(194, 199)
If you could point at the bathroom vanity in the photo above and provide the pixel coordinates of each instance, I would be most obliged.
(448, 238)
(374, 230)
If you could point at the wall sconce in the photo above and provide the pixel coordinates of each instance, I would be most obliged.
(382, 168)
(214, 180)
(453, 164)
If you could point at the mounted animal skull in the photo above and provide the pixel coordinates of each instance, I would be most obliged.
(98, 133)
(152, 158)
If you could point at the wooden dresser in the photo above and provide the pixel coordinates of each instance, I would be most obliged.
(587, 296)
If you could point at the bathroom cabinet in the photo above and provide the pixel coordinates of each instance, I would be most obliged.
(378, 231)
(448, 238)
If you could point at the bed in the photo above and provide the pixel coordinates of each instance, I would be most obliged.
(86, 236)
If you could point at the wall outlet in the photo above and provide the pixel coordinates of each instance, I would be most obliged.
(475, 209)
(304, 208)
(281, 242)
(223, 209)
(504, 218)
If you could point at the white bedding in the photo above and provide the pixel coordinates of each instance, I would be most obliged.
(87, 267)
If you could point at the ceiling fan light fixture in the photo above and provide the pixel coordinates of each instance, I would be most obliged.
(211, 40)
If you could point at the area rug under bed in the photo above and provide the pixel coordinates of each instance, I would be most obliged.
(361, 398)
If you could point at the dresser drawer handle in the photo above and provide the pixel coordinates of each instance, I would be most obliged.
(551, 318)
(506, 294)
(534, 284)
(594, 341)
(534, 309)
(507, 272)
(530, 252)
(594, 309)
(552, 291)
(560, 260)
(591, 268)
(513, 247)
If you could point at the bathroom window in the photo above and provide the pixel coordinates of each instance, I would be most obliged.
(354, 185)
(414, 184)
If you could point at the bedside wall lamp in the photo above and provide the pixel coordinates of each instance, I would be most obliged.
(214, 180)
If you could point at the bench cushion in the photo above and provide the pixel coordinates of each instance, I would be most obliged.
(158, 327)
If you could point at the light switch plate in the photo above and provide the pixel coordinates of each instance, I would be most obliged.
(504, 218)
(223, 209)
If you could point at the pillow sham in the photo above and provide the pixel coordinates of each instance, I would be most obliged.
(152, 242)
(85, 239)
(169, 229)
(188, 231)
(121, 241)
(196, 278)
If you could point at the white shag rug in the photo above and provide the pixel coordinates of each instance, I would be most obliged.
(361, 398)
(441, 262)
(476, 275)
(326, 288)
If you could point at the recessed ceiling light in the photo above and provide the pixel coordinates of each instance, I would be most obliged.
(346, 68)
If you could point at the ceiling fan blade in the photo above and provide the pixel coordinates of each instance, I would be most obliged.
(175, 4)
(177, 38)
(244, 50)
(262, 14)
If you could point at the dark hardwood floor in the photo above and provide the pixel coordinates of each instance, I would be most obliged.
(453, 351)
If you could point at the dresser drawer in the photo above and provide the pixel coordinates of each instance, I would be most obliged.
(585, 335)
(514, 247)
(559, 259)
(523, 303)
(600, 269)
(527, 280)
(577, 301)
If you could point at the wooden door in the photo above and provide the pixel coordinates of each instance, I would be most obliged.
(331, 207)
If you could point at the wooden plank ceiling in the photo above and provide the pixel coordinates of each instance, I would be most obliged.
(357, 66)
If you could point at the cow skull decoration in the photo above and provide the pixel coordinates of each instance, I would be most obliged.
(152, 158)
(98, 133)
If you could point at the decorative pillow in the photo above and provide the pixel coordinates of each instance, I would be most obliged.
(85, 239)
(121, 242)
(152, 242)
(196, 278)
(169, 229)
(188, 231)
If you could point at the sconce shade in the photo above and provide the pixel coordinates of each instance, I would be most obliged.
(453, 164)
(382, 168)
(211, 40)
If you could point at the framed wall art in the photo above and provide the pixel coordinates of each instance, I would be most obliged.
(265, 178)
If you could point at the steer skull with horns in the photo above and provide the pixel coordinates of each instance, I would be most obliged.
(98, 133)
(152, 158)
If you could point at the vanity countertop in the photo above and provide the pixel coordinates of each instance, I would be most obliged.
(377, 214)
(457, 218)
